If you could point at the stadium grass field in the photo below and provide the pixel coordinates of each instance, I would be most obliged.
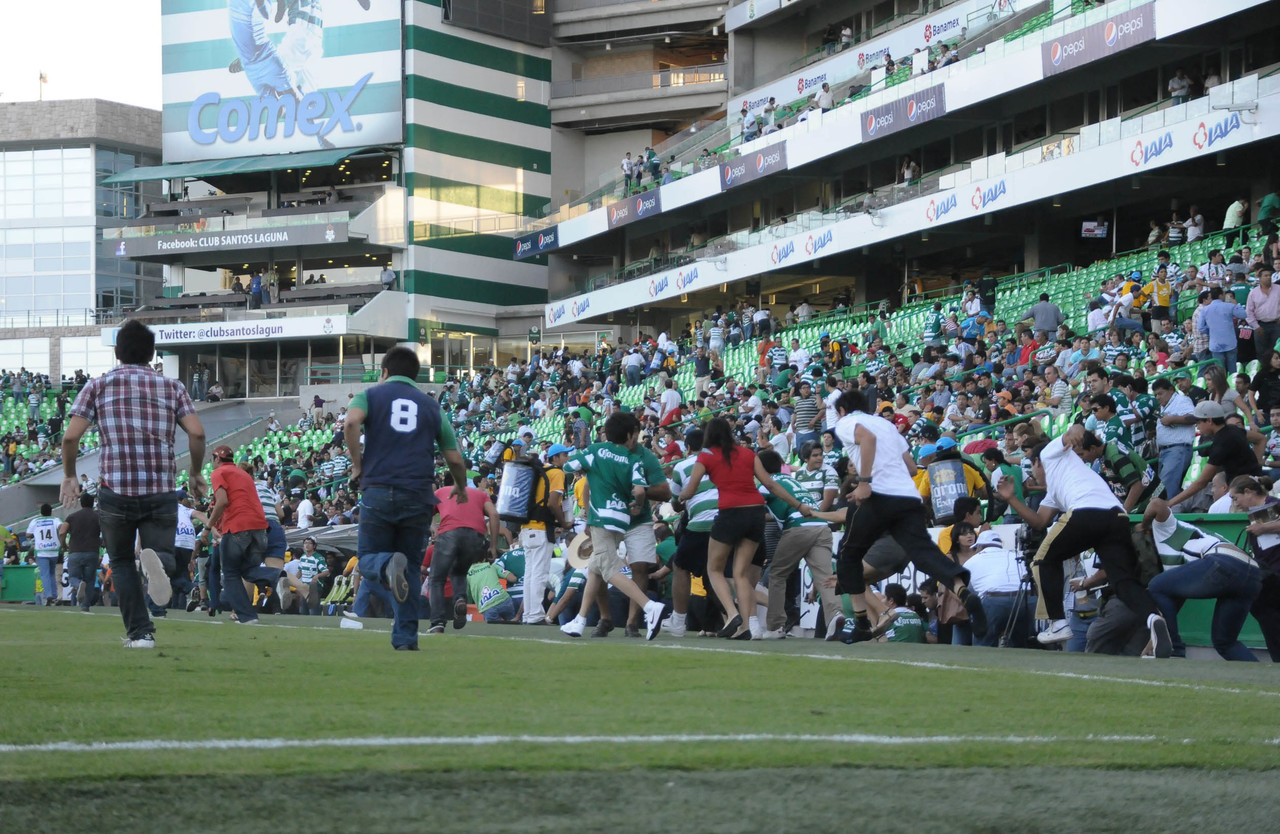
(515, 729)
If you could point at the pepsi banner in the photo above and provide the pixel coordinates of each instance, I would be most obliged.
(914, 109)
(535, 243)
(250, 78)
(1099, 40)
(753, 166)
(631, 209)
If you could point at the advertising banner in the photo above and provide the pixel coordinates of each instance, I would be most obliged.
(752, 166)
(1099, 40)
(200, 240)
(240, 331)
(244, 78)
(634, 208)
(910, 110)
(535, 243)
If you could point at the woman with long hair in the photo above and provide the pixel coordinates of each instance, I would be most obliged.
(1248, 494)
(963, 538)
(1266, 383)
(738, 530)
(1219, 388)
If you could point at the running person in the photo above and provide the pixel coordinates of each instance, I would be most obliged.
(46, 544)
(739, 525)
(886, 501)
(395, 471)
(1091, 517)
(691, 550)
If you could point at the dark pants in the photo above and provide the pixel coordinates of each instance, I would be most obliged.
(1107, 532)
(1232, 583)
(456, 550)
(902, 518)
(1266, 335)
(1266, 610)
(153, 520)
(242, 555)
(83, 567)
(395, 520)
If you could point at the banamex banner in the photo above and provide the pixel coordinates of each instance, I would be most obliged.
(244, 78)
(752, 166)
(910, 110)
(1099, 40)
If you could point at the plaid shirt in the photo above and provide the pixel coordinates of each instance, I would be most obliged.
(136, 410)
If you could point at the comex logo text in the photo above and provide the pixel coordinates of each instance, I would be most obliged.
(238, 118)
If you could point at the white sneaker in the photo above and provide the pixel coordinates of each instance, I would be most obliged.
(653, 619)
(148, 642)
(833, 628)
(674, 630)
(1059, 631)
(772, 634)
(574, 627)
(1161, 645)
(158, 587)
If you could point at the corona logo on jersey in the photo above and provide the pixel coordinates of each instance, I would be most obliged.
(783, 251)
(1145, 152)
(238, 119)
(1206, 136)
(814, 245)
(657, 286)
(685, 279)
(985, 197)
(937, 210)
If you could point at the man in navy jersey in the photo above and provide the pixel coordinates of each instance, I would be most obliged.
(395, 471)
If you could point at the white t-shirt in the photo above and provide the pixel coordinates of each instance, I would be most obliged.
(1071, 484)
(670, 400)
(185, 537)
(800, 358)
(889, 474)
(44, 531)
(994, 569)
(830, 417)
(306, 511)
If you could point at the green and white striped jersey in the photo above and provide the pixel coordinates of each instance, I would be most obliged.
(610, 475)
(818, 480)
(782, 511)
(703, 506)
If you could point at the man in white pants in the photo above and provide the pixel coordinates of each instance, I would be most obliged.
(538, 540)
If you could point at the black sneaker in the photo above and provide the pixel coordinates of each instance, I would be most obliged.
(851, 633)
(730, 628)
(398, 576)
(977, 617)
(459, 611)
(192, 604)
(603, 628)
(632, 631)
(412, 647)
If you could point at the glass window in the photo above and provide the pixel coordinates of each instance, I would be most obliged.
(48, 235)
(18, 250)
(45, 250)
(48, 264)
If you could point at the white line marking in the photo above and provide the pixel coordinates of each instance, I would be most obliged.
(158, 745)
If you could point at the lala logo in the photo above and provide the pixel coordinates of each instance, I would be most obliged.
(814, 245)
(684, 279)
(983, 197)
(1206, 136)
(1144, 153)
(935, 210)
(581, 306)
(556, 314)
(657, 286)
(782, 252)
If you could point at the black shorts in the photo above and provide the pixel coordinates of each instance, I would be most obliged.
(1159, 313)
(734, 524)
(691, 552)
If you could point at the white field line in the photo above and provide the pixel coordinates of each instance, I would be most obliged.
(161, 745)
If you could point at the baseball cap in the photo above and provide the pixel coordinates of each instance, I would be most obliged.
(901, 420)
(945, 444)
(517, 443)
(1136, 274)
(988, 538)
(1210, 410)
(224, 453)
(928, 449)
(558, 449)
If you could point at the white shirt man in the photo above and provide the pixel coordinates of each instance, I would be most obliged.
(798, 356)
(538, 407)
(669, 400)
(825, 99)
(805, 311)
(993, 569)
(829, 416)
(306, 513)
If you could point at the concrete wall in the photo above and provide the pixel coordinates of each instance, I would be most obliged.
(83, 119)
(603, 154)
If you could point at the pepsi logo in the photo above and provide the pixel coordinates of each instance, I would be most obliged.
(871, 124)
(759, 163)
(1110, 33)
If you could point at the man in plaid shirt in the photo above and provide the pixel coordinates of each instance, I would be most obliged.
(136, 410)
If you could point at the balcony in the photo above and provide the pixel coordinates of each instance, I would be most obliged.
(668, 94)
(586, 18)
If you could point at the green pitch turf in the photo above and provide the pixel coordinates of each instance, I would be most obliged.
(517, 728)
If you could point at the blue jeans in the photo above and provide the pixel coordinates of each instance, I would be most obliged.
(503, 612)
(1174, 461)
(1123, 323)
(276, 542)
(153, 520)
(360, 606)
(1079, 631)
(46, 565)
(998, 610)
(962, 634)
(394, 520)
(1227, 358)
(241, 556)
(1235, 584)
(633, 374)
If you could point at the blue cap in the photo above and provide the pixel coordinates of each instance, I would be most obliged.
(1136, 274)
(824, 335)
(558, 449)
(517, 443)
(928, 449)
(945, 444)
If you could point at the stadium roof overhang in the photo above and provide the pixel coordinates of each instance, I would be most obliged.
(239, 165)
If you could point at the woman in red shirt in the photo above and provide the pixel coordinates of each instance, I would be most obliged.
(739, 525)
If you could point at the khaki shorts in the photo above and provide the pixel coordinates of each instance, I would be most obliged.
(642, 547)
(604, 559)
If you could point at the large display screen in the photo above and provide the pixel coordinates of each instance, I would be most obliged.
(254, 77)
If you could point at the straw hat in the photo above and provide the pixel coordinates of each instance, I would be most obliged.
(579, 551)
